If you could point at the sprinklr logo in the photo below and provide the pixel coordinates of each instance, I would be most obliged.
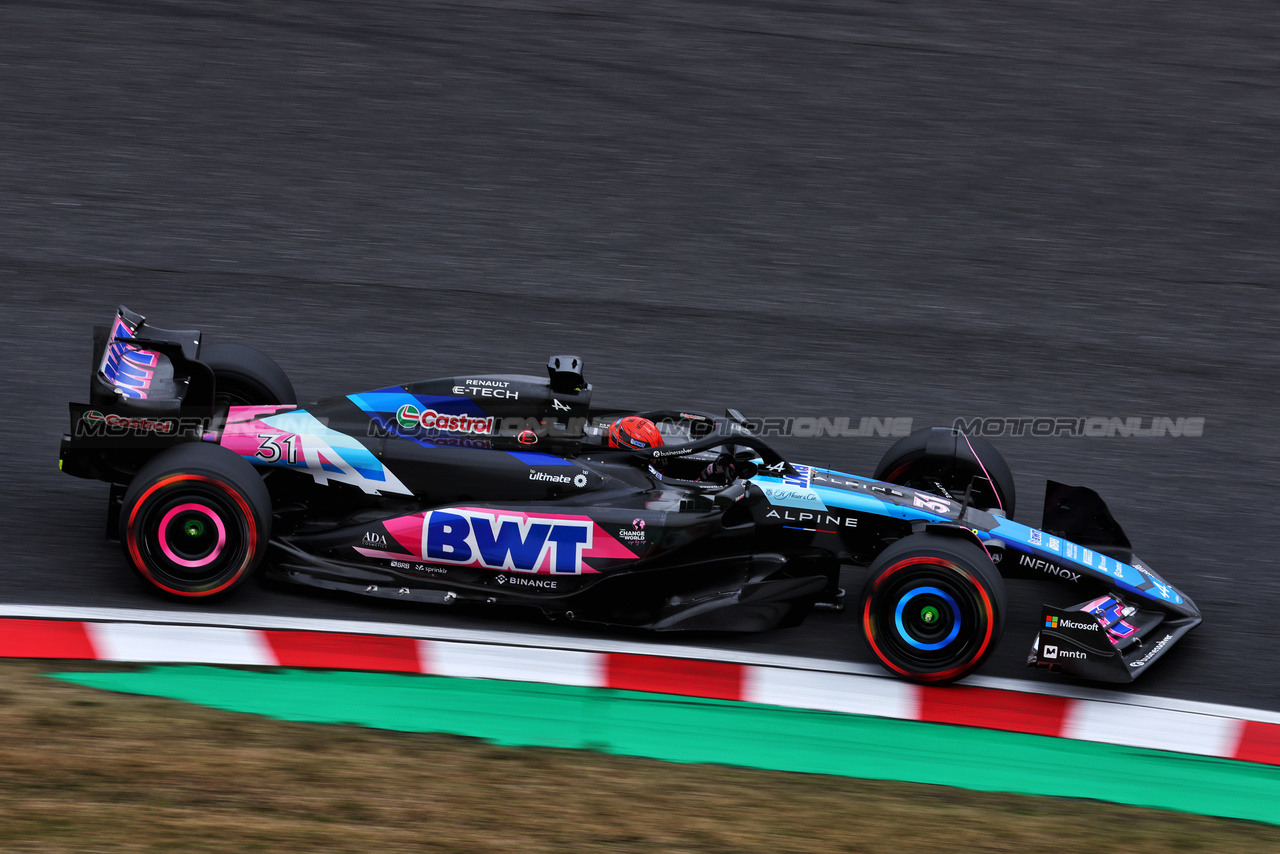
(634, 534)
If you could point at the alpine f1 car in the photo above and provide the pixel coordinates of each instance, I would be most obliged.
(500, 489)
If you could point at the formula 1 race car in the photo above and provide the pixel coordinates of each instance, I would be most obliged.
(500, 489)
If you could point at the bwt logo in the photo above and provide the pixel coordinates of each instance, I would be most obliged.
(510, 542)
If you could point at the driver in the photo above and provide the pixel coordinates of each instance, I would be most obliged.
(636, 433)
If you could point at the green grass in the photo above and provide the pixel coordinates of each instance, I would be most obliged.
(85, 770)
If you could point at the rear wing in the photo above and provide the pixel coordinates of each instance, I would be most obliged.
(147, 369)
(148, 390)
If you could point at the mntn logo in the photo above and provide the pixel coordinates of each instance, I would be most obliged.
(1051, 651)
(506, 541)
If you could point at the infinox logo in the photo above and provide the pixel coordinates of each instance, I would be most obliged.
(1051, 568)
(409, 416)
(497, 540)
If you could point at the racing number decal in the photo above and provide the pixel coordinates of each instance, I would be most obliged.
(933, 505)
(273, 447)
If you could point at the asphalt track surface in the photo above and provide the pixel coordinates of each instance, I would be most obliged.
(927, 210)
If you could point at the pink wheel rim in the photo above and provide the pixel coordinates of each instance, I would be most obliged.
(168, 550)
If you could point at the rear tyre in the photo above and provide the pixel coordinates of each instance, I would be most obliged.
(944, 461)
(195, 521)
(933, 607)
(244, 376)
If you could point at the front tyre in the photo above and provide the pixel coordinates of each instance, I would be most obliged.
(195, 521)
(933, 607)
(945, 461)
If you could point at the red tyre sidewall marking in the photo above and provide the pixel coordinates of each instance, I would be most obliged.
(912, 561)
(892, 477)
(132, 540)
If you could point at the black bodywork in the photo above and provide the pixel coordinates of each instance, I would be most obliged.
(500, 489)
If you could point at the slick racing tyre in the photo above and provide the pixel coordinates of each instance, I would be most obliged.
(195, 521)
(944, 461)
(244, 376)
(933, 607)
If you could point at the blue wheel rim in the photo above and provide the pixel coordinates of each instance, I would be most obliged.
(955, 622)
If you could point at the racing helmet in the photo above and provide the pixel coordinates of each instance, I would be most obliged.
(634, 432)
